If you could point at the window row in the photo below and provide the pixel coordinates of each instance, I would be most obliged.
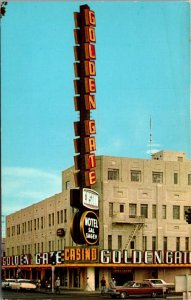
(144, 210)
(37, 224)
(136, 176)
(154, 245)
(36, 248)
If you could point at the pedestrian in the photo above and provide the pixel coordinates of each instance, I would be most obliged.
(112, 283)
(57, 285)
(103, 285)
(47, 285)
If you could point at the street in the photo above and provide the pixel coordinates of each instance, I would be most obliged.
(10, 295)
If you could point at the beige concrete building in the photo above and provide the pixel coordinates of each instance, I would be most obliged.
(142, 204)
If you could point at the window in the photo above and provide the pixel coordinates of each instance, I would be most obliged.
(186, 243)
(175, 178)
(121, 208)
(109, 242)
(132, 210)
(180, 158)
(144, 243)
(135, 176)
(67, 185)
(144, 210)
(178, 244)
(61, 216)
(176, 212)
(132, 244)
(58, 217)
(28, 225)
(189, 179)
(38, 223)
(157, 177)
(52, 219)
(154, 243)
(34, 224)
(42, 247)
(65, 215)
(8, 232)
(110, 209)
(165, 243)
(13, 230)
(113, 174)
(164, 211)
(41, 222)
(154, 211)
(49, 220)
(38, 248)
(185, 209)
(18, 229)
(119, 241)
(49, 246)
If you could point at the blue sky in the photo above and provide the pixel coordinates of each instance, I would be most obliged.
(142, 67)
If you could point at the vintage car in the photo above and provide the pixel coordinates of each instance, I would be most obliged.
(23, 284)
(168, 287)
(136, 288)
(7, 283)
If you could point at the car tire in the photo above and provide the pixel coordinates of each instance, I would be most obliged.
(123, 295)
(154, 294)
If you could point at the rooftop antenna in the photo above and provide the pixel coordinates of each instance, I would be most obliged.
(150, 136)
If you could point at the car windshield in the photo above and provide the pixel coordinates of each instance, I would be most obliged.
(128, 283)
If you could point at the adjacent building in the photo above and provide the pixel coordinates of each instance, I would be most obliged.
(143, 231)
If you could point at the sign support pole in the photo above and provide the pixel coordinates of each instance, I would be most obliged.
(53, 268)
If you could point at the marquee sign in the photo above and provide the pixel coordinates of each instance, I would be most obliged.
(83, 197)
(84, 100)
(92, 254)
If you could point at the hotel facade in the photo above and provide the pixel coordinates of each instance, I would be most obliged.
(142, 228)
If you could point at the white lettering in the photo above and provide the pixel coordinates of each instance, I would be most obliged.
(91, 222)
(116, 257)
(137, 257)
(105, 256)
(45, 258)
(37, 259)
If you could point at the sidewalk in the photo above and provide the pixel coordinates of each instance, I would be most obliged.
(69, 291)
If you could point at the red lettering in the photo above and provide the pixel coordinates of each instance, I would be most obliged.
(89, 35)
(89, 50)
(90, 102)
(90, 160)
(90, 85)
(90, 177)
(90, 69)
(90, 17)
(90, 127)
(90, 144)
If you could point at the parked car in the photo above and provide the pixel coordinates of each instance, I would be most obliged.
(168, 287)
(136, 288)
(6, 283)
(23, 284)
